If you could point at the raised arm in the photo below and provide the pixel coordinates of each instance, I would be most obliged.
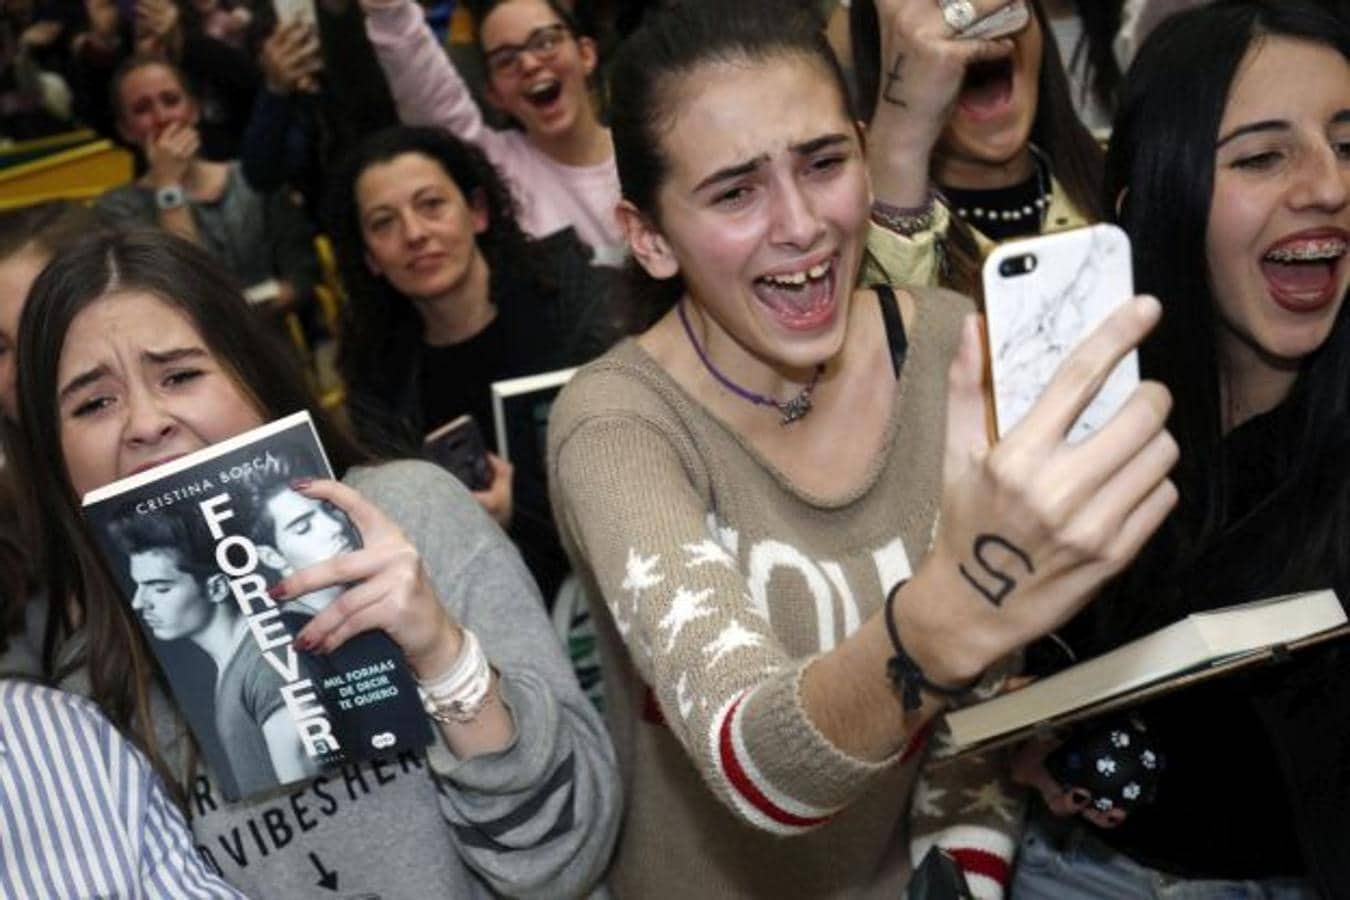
(909, 67)
(915, 77)
(1029, 530)
(426, 87)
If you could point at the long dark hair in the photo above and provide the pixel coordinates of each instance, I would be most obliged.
(1101, 21)
(45, 228)
(1161, 169)
(376, 313)
(1074, 155)
(669, 44)
(185, 277)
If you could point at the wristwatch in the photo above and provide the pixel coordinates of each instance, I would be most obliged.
(170, 197)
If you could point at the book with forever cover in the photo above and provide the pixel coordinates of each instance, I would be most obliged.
(1200, 646)
(194, 544)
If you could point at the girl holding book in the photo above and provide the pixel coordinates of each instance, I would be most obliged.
(753, 488)
(1233, 180)
(135, 349)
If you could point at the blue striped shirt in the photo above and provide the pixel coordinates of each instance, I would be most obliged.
(82, 814)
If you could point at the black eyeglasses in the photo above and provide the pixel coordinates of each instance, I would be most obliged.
(542, 42)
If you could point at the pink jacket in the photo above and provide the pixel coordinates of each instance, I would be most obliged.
(428, 91)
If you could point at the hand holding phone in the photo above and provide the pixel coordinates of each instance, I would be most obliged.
(1042, 296)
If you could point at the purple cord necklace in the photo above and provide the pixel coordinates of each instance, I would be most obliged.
(791, 410)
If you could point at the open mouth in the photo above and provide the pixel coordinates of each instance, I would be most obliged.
(1302, 272)
(987, 88)
(801, 299)
(544, 93)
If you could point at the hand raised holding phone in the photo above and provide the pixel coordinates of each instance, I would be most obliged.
(1032, 526)
(291, 60)
(922, 65)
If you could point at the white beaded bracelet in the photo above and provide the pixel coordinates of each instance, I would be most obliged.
(461, 693)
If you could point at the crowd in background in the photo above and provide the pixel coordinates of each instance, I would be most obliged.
(419, 199)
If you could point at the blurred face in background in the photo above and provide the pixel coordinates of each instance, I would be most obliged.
(420, 231)
(149, 100)
(17, 274)
(537, 69)
(991, 121)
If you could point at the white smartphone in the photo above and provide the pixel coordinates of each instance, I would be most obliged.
(1042, 296)
(303, 10)
(1007, 19)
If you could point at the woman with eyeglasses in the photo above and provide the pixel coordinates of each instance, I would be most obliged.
(560, 163)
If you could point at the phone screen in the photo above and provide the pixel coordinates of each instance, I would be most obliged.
(458, 447)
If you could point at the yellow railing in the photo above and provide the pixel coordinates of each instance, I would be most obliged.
(79, 173)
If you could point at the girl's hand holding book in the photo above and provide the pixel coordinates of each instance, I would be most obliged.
(387, 588)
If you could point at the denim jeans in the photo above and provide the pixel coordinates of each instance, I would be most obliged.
(1080, 866)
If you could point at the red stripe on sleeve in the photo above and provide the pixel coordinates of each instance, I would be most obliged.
(747, 789)
(982, 862)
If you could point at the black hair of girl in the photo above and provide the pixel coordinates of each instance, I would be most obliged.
(1163, 157)
(645, 77)
(46, 228)
(1101, 21)
(185, 277)
(1075, 156)
(376, 313)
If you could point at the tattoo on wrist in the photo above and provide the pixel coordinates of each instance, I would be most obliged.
(891, 93)
(995, 584)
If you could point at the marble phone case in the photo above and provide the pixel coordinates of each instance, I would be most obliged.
(1037, 318)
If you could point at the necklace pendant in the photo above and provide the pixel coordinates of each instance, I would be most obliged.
(796, 408)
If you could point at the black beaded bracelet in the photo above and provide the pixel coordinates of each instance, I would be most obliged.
(905, 674)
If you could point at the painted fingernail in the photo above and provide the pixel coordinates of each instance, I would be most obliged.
(1079, 797)
(277, 591)
(300, 484)
(302, 643)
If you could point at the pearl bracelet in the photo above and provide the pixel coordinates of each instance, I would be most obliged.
(461, 693)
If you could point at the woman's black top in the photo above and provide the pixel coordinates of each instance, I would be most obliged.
(554, 312)
(1258, 763)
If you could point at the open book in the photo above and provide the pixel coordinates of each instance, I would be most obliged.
(1200, 646)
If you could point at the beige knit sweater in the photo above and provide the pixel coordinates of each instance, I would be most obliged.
(721, 581)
